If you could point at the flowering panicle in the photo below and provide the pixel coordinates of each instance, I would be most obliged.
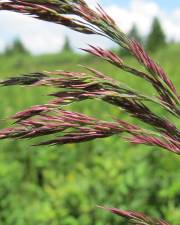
(162, 83)
(166, 142)
(44, 120)
(46, 12)
(157, 77)
(99, 22)
(82, 86)
(91, 21)
(137, 218)
(71, 127)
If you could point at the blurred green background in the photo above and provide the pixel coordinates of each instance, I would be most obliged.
(63, 185)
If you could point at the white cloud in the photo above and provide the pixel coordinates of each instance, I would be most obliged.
(37, 36)
(92, 3)
(177, 13)
(142, 12)
(41, 37)
(39, 44)
(139, 12)
(2, 45)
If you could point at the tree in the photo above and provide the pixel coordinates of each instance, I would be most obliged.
(134, 34)
(157, 37)
(67, 45)
(17, 47)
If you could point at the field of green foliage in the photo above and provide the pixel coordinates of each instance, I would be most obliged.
(63, 185)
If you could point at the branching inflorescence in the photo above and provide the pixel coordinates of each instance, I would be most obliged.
(137, 217)
(73, 127)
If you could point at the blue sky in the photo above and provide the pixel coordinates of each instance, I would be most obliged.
(168, 4)
(165, 4)
(36, 34)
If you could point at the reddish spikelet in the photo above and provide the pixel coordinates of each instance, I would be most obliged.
(102, 53)
(86, 13)
(128, 126)
(105, 16)
(136, 217)
(33, 111)
(5, 133)
(168, 143)
(144, 58)
(47, 121)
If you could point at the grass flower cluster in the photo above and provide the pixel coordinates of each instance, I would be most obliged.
(72, 127)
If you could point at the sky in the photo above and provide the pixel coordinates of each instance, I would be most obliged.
(164, 4)
(42, 37)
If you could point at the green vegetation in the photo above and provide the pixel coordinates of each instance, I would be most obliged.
(67, 46)
(16, 47)
(156, 38)
(63, 185)
(134, 34)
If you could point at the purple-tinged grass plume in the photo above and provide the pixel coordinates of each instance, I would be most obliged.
(75, 86)
(70, 127)
(137, 218)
